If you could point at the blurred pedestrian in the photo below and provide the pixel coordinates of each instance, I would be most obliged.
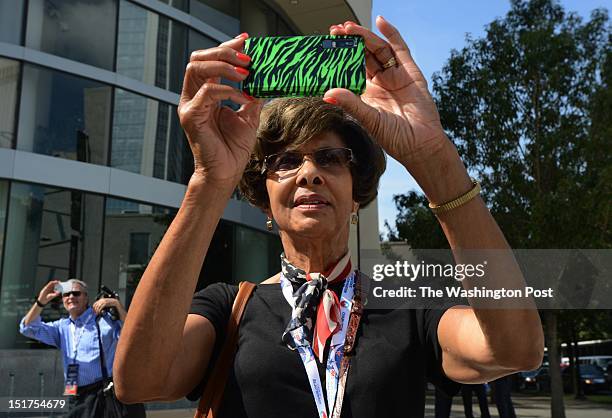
(502, 396)
(481, 394)
(443, 403)
(80, 337)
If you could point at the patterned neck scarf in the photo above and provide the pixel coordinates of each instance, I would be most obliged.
(313, 297)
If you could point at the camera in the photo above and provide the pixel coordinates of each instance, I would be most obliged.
(106, 292)
(339, 43)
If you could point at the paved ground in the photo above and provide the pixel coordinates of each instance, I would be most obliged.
(531, 407)
(525, 406)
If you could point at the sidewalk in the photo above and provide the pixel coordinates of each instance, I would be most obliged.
(171, 413)
(525, 407)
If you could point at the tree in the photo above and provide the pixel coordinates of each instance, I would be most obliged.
(577, 326)
(416, 221)
(529, 107)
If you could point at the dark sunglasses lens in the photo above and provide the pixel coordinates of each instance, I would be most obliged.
(286, 161)
(327, 158)
(76, 294)
(333, 157)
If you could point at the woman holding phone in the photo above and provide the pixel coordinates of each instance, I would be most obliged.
(310, 164)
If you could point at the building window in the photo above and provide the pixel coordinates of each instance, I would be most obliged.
(151, 48)
(139, 248)
(4, 186)
(132, 232)
(198, 41)
(79, 30)
(237, 253)
(9, 79)
(11, 17)
(51, 234)
(282, 28)
(219, 261)
(220, 14)
(64, 116)
(148, 139)
(256, 256)
(178, 4)
(275, 249)
(258, 19)
(227, 7)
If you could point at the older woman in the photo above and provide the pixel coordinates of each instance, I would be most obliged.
(310, 167)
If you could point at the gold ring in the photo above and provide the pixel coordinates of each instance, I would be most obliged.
(391, 63)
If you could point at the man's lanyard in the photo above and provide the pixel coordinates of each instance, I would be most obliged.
(336, 365)
(76, 338)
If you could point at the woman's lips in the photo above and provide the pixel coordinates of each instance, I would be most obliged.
(310, 202)
(311, 206)
(310, 199)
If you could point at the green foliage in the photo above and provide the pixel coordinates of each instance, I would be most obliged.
(417, 222)
(588, 325)
(529, 107)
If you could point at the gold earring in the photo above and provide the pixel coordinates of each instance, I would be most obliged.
(269, 224)
(354, 218)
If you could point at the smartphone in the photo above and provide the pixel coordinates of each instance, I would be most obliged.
(293, 66)
(63, 287)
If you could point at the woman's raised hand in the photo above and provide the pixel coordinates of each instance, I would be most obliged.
(221, 139)
(396, 106)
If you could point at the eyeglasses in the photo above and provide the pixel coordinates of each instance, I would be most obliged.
(75, 293)
(289, 161)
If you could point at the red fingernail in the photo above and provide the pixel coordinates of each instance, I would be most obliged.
(242, 35)
(330, 100)
(241, 70)
(243, 57)
(251, 98)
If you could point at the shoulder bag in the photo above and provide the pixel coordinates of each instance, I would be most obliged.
(106, 403)
(215, 386)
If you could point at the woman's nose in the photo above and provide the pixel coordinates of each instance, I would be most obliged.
(308, 173)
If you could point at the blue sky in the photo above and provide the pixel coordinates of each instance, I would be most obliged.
(432, 28)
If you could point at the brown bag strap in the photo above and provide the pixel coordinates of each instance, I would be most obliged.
(215, 386)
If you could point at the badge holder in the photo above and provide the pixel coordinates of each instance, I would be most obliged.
(72, 377)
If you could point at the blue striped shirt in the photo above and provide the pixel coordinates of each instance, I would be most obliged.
(59, 334)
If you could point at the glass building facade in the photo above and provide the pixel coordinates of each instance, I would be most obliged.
(93, 85)
(93, 160)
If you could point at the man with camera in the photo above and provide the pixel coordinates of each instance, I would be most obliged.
(87, 338)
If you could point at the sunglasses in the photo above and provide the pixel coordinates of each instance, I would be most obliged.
(75, 293)
(288, 161)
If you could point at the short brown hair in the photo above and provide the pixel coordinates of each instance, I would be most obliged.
(289, 123)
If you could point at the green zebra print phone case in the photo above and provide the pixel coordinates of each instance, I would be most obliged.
(290, 66)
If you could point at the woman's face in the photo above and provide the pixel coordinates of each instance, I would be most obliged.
(290, 195)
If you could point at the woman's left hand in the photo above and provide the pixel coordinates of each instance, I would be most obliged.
(396, 107)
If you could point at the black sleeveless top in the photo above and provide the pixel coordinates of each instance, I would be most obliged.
(397, 351)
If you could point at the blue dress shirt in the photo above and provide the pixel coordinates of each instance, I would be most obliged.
(65, 334)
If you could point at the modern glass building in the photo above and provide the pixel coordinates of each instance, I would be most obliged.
(93, 161)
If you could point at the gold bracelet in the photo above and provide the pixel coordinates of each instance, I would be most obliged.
(461, 200)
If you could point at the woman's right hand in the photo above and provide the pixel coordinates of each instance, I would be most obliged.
(48, 293)
(221, 139)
